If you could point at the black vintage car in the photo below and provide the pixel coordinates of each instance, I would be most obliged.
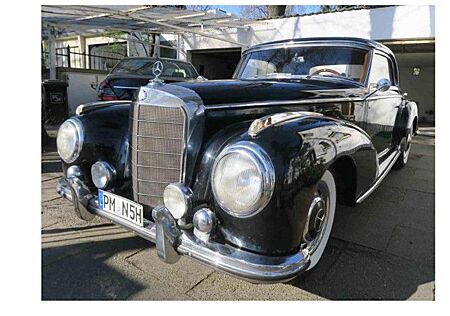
(244, 174)
(133, 72)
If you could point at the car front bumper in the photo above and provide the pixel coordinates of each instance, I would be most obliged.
(171, 242)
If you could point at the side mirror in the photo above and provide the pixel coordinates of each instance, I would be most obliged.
(201, 78)
(383, 85)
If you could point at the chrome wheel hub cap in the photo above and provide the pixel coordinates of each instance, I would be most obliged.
(317, 219)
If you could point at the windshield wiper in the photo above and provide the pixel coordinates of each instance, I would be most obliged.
(278, 76)
(330, 77)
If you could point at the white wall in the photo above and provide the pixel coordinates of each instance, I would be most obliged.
(420, 89)
(79, 90)
(398, 22)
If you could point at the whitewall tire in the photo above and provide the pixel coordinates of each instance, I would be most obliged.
(320, 218)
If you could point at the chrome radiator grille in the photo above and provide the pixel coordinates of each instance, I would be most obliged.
(157, 142)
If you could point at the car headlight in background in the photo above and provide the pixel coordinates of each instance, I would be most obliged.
(70, 140)
(102, 174)
(243, 179)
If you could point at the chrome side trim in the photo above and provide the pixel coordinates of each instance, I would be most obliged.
(125, 87)
(296, 102)
(86, 107)
(265, 122)
(282, 102)
(393, 159)
(382, 153)
(252, 267)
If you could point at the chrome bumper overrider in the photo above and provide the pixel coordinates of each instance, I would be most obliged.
(171, 242)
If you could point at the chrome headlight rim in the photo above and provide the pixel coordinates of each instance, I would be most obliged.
(76, 123)
(264, 167)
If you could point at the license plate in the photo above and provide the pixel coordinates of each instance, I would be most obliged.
(121, 207)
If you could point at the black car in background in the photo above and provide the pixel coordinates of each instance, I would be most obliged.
(132, 73)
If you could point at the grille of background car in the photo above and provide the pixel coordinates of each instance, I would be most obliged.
(157, 144)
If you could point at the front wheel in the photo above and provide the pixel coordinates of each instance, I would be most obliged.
(404, 154)
(320, 218)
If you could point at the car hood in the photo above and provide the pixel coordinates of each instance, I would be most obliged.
(235, 91)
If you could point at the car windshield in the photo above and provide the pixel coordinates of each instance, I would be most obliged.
(143, 66)
(300, 62)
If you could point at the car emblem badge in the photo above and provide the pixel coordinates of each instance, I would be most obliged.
(157, 69)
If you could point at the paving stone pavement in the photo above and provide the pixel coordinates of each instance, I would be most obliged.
(383, 249)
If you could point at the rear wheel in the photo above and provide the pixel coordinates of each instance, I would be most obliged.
(320, 218)
(404, 154)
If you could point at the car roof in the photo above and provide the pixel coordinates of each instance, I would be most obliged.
(356, 40)
(156, 58)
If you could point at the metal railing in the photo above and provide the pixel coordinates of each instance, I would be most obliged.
(68, 57)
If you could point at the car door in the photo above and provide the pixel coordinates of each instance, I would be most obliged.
(382, 107)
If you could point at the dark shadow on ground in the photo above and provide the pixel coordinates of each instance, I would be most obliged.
(86, 276)
(348, 271)
(50, 161)
(73, 229)
(51, 166)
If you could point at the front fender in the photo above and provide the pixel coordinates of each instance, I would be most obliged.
(106, 131)
(405, 121)
(301, 150)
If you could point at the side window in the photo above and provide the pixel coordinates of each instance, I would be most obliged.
(380, 69)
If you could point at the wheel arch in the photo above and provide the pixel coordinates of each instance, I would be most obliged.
(345, 176)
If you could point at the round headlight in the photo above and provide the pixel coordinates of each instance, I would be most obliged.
(102, 174)
(70, 140)
(177, 199)
(243, 179)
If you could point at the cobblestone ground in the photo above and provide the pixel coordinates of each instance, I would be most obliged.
(382, 249)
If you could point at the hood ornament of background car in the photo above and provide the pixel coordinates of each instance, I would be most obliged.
(157, 70)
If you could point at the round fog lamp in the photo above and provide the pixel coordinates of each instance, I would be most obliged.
(102, 174)
(177, 199)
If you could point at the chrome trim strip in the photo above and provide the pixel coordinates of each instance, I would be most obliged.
(371, 98)
(252, 267)
(282, 102)
(378, 181)
(382, 153)
(85, 107)
(125, 87)
(265, 122)
(295, 102)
